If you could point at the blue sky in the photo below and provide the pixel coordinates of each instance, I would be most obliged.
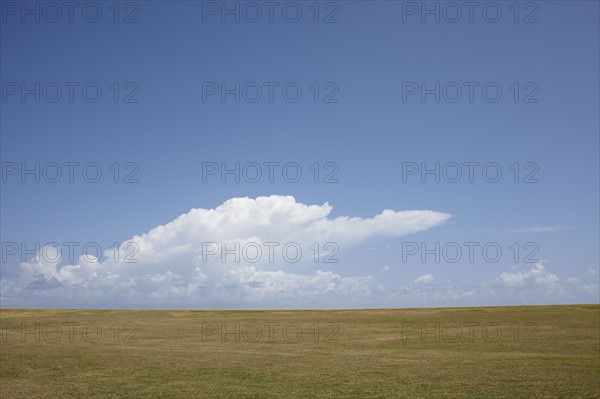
(364, 126)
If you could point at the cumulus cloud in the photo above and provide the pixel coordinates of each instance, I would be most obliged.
(424, 279)
(538, 283)
(537, 277)
(254, 285)
(243, 251)
(533, 285)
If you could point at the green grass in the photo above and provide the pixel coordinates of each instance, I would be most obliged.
(357, 353)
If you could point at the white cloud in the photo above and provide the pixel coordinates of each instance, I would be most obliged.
(173, 272)
(385, 269)
(537, 277)
(539, 284)
(530, 286)
(175, 265)
(250, 284)
(538, 229)
(424, 279)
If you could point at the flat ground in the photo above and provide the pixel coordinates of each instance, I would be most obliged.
(491, 352)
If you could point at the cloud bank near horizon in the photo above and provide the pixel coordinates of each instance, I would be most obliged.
(245, 251)
(234, 256)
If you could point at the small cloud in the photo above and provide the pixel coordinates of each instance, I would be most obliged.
(424, 279)
(537, 229)
(385, 269)
(534, 278)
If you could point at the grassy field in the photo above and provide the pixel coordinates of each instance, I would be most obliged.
(491, 352)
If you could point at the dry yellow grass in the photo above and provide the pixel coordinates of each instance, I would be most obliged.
(542, 352)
